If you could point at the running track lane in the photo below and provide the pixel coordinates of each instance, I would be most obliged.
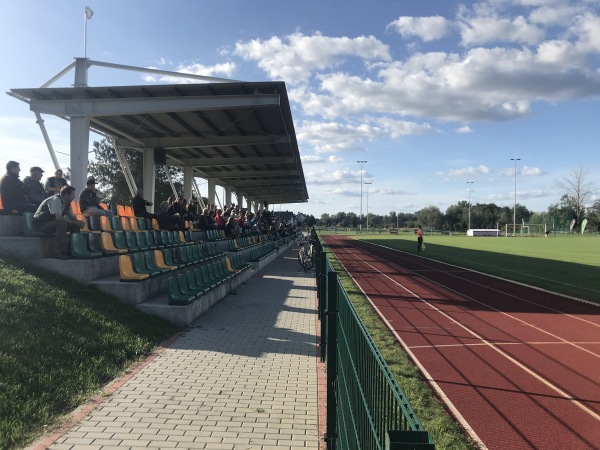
(518, 367)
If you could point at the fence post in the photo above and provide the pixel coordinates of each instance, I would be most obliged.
(322, 295)
(331, 314)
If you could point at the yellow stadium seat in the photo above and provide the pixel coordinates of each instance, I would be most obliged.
(159, 260)
(107, 244)
(229, 267)
(126, 272)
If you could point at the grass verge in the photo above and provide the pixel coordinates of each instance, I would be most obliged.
(59, 343)
(446, 432)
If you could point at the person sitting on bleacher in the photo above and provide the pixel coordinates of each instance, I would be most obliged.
(165, 220)
(89, 203)
(55, 184)
(177, 210)
(13, 191)
(231, 228)
(219, 221)
(35, 190)
(54, 215)
(139, 204)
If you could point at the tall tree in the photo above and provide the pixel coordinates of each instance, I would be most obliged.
(111, 181)
(578, 189)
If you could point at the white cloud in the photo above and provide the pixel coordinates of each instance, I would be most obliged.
(336, 177)
(334, 159)
(426, 28)
(296, 56)
(308, 159)
(531, 171)
(218, 70)
(480, 170)
(486, 30)
(464, 130)
(329, 137)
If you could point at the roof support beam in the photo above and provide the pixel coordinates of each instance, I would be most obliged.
(204, 142)
(226, 162)
(156, 105)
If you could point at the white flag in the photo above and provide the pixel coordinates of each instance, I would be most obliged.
(88, 12)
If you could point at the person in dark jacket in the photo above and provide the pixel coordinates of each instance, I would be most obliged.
(89, 203)
(35, 190)
(13, 191)
(139, 204)
(54, 184)
(165, 220)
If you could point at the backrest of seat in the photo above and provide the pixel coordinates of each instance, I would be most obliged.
(120, 210)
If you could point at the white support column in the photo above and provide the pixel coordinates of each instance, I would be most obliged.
(188, 177)
(149, 179)
(248, 204)
(79, 134)
(211, 190)
(227, 196)
(80, 137)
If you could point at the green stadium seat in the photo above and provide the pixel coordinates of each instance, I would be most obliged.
(78, 244)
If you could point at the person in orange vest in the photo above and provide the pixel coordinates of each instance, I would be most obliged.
(419, 238)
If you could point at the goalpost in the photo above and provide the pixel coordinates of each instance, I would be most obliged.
(525, 229)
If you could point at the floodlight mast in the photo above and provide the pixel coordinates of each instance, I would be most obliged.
(367, 183)
(470, 183)
(361, 184)
(87, 15)
(515, 208)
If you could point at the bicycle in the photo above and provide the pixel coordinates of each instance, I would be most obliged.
(306, 254)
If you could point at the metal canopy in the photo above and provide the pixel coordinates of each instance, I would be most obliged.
(239, 134)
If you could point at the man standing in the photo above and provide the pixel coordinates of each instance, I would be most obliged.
(35, 190)
(139, 205)
(55, 215)
(419, 238)
(13, 190)
(89, 204)
(55, 184)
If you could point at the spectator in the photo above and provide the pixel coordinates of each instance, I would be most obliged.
(35, 190)
(165, 220)
(219, 221)
(55, 215)
(177, 210)
(89, 204)
(231, 228)
(13, 191)
(139, 205)
(55, 184)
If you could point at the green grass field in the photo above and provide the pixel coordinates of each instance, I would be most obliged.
(569, 265)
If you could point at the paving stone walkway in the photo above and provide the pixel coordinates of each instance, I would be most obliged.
(243, 376)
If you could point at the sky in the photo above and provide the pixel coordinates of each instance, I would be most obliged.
(438, 97)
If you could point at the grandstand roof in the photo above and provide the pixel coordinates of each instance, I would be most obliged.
(240, 134)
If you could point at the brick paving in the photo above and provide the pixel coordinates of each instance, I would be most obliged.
(242, 376)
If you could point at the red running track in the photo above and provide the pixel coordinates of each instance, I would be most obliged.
(517, 366)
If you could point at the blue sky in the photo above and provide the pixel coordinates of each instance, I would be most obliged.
(432, 94)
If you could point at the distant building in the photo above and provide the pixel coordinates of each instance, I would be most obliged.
(288, 216)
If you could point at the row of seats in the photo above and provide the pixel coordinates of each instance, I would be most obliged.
(77, 210)
(262, 252)
(146, 264)
(187, 287)
(242, 243)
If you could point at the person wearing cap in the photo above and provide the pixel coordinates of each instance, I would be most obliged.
(55, 184)
(89, 203)
(35, 190)
(55, 215)
(13, 191)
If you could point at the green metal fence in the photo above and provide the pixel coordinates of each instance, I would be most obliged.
(366, 408)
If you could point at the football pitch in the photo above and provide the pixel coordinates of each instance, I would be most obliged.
(568, 265)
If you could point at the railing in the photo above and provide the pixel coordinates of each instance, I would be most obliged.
(366, 408)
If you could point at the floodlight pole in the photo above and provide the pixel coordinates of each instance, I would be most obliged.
(515, 208)
(470, 183)
(361, 183)
(368, 205)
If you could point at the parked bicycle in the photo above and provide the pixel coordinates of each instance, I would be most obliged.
(307, 253)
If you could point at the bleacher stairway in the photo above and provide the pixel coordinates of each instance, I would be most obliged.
(149, 295)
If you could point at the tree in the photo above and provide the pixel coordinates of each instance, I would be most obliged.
(430, 216)
(111, 181)
(578, 189)
(593, 216)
